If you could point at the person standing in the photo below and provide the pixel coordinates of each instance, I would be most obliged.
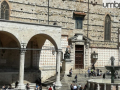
(70, 72)
(40, 87)
(50, 88)
(16, 84)
(71, 87)
(85, 87)
(76, 78)
(79, 87)
(104, 76)
(89, 72)
(3, 87)
(74, 87)
(97, 72)
(54, 86)
(27, 86)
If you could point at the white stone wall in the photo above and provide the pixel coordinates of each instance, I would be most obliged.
(46, 56)
(47, 62)
(104, 56)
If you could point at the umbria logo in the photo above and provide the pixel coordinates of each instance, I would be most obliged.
(111, 3)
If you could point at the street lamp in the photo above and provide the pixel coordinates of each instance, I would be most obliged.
(94, 57)
(53, 50)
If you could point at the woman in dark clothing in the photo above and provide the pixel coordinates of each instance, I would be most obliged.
(71, 87)
(85, 87)
(27, 86)
(81, 88)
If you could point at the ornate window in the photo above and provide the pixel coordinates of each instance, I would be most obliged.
(4, 10)
(107, 27)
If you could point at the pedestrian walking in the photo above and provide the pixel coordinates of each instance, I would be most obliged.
(76, 78)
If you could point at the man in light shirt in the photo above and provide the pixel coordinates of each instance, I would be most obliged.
(74, 87)
(79, 87)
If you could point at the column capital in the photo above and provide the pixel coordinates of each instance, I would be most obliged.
(59, 50)
(23, 45)
(23, 48)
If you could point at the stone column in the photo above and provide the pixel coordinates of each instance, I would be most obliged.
(118, 87)
(111, 87)
(105, 86)
(98, 86)
(58, 57)
(93, 87)
(21, 85)
(88, 86)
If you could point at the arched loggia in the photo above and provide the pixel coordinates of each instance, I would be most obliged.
(9, 56)
(35, 47)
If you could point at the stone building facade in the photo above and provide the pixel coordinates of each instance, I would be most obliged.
(33, 22)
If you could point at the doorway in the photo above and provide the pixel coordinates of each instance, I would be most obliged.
(79, 56)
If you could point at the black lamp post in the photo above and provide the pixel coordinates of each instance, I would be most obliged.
(94, 57)
(53, 50)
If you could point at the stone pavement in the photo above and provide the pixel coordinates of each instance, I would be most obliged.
(81, 79)
(67, 81)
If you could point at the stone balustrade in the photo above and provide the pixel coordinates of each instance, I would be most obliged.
(103, 84)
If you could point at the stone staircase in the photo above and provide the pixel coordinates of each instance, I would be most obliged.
(66, 80)
(52, 79)
(82, 78)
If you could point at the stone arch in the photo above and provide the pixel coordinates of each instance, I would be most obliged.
(9, 52)
(33, 56)
(46, 36)
(37, 41)
(9, 35)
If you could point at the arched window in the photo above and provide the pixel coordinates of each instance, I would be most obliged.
(107, 27)
(4, 10)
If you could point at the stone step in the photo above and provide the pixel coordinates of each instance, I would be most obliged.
(32, 85)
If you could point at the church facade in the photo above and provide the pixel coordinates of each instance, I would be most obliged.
(33, 33)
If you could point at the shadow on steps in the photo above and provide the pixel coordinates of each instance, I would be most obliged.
(52, 79)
